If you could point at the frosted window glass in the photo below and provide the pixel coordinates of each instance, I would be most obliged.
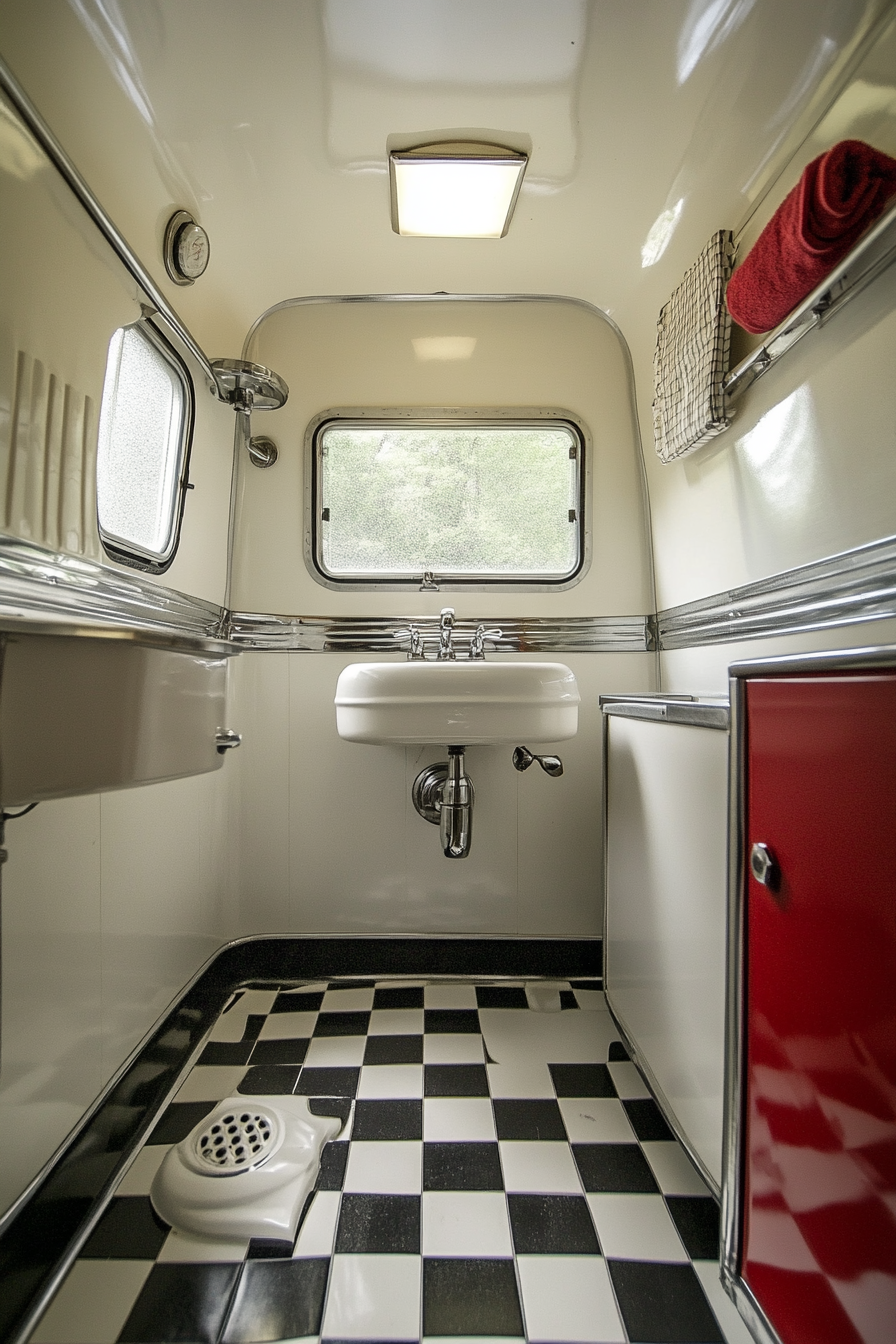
(141, 446)
(473, 499)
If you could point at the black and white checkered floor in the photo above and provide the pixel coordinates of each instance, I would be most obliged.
(503, 1172)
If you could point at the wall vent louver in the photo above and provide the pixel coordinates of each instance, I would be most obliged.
(50, 491)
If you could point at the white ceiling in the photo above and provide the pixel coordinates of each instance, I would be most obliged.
(269, 121)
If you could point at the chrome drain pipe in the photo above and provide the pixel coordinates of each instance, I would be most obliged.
(456, 812)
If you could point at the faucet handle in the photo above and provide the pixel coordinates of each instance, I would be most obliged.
(415, 643)
(477, 642)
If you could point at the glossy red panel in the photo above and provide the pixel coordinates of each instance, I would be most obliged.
(819, 1246)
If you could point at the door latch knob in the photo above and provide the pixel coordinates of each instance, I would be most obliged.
(764, 866)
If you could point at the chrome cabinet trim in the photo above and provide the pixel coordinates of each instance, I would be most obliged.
(836, 660)
(693, 713)
(356, 634)
(49, 592)
(849, 588)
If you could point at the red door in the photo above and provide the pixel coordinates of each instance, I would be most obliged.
(819, 1243)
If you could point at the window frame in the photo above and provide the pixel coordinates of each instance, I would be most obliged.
(118, 548)
(524, 416)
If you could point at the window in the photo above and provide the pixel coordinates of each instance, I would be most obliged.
(467, 500)
(146, 421)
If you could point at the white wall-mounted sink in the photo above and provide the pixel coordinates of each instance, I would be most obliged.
(463, 703)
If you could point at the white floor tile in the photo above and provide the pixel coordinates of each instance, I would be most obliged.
(458, 1119)
(450, 996)
(396, 1022)
(551, 1038)
(469, 1223)
(724, 1310)
(141, 1173)
(318, 1231)
(539, 1168)
(335, 1052)
(627, 1080)
(288, 1026)
(543, 996)
(385, 1168)
(592, 1000)
(211, 1082)
(391, 1080)
(459, 1048)
(373, 1297)
(231, 1025)
(570, 1298)
(93, 1303)
(635, 1227)
(400, 984)
(347, 1000)
(521, 1079)
(315, 987)
(182, 1247)
(675, 1173)
(596, 1120)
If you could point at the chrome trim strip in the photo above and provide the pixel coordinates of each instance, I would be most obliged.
(49, 592)
(64, 165)
(834, 660)
(696, 715)
(850, 588)
(354, 634)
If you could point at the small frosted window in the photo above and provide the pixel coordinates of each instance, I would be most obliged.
(144, 426)
(497, 501)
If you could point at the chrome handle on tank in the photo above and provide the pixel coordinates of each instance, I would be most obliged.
(523, 758)
(226, 739)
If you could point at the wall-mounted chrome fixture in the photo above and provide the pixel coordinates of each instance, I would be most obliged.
(523, 758)
(443, 794)
(226, 739)
(186, 248)
(443, 637)
(263, 452)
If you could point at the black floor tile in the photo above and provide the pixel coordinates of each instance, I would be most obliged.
(278, 1300)
(455, 1080)
(379, 1225)
(552, 1225)
(614, 1168)
(179, 1119)
(181, 1304)
(269, 1080)
(254, 1024)
(617, 1053)
(400, 997)
(269, 1248)
(291, 1051)
(663, 1304)
(303, 1001)
(529, 1119)
(394, 1050)
(586, 984)
(501, 996)
(461, 1166)
(130, 1229)
(226, 1052)
(470, 1297)
(342, 1024)
(388, 1120)
(333, 1159)
(328, 1082)
(697, 1220)
(340, 1107)
(451, 1020)
(646, 1119)
(582, 1080)
(568, 999)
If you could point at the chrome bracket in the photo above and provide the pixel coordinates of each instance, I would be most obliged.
(248, 387)
(226, 739)
(263, 452)
(426, 792)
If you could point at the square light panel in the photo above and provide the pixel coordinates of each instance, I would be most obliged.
(457, 190)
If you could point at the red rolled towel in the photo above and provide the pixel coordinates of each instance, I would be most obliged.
(839, 194)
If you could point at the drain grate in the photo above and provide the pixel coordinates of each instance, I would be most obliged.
(236, 1141)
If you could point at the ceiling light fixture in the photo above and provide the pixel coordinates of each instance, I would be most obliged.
(460, 189)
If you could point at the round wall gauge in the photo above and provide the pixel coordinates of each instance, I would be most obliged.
(186, 248)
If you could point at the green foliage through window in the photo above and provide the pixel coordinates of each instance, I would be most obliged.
(473, 499)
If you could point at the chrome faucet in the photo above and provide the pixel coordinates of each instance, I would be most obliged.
(477, 643)
(446, 630)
